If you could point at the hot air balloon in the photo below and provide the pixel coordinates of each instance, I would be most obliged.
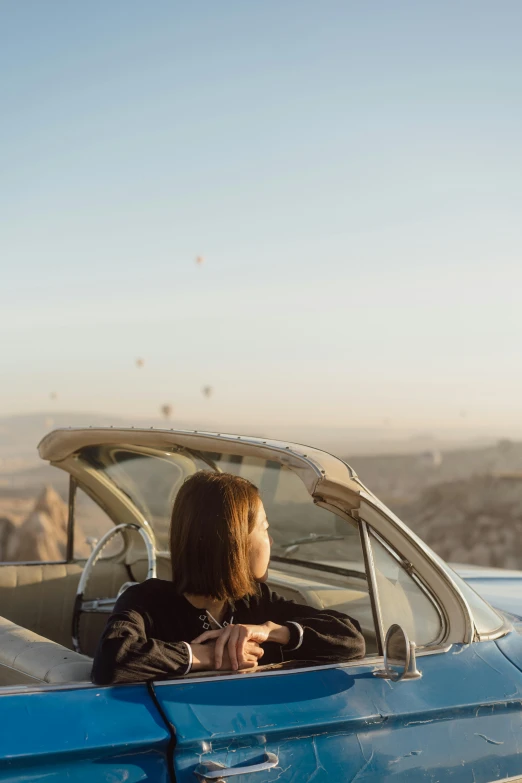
(200, 260)
(140, 362)
(504, 445)
(166, 410)
(207, 391)
(53, 396)
(431, 458)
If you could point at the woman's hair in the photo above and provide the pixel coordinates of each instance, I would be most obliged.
(212, 517)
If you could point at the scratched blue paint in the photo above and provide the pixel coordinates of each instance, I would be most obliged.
(462, 721)
(511, 646)
(83, 736)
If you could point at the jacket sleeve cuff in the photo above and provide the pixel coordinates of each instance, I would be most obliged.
(189, 665)
(296, 636)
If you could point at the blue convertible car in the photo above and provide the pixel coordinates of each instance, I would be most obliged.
(438, 696)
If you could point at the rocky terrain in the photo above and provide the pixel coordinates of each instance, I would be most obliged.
(41, 536)
(476, 520)
(467, 505)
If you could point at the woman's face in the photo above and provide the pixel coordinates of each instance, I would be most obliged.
(260, 543)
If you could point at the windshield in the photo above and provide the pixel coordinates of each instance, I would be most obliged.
(486, 619)
(303, 533)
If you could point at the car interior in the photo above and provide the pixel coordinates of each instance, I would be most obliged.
(37, 603)
(316, 559)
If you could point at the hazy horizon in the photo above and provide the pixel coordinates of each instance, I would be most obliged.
(348, 172)
(21, 433)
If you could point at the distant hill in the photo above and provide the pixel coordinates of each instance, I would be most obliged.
(476, 520)
(396, 478)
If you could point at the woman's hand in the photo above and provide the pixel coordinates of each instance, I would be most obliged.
(252, 656)
(204, 656)
(236, 640)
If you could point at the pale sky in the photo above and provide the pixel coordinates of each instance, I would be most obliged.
(351, 173)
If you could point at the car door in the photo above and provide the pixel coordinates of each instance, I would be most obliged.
(78, 734)
(461, 722)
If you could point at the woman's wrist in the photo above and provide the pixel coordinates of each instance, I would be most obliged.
(277, 633)
(202, 657)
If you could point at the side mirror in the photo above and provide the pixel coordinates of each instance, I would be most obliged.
(399, 656)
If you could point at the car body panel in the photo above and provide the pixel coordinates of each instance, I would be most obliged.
(84, 735)
(511, 646)
(461, 721)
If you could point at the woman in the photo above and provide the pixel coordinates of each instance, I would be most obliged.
(217, 612)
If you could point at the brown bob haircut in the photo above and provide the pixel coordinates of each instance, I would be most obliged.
(212, 517)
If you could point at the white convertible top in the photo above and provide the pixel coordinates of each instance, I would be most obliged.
(312, 464)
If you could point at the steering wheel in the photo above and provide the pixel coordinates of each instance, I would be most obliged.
(106, 605)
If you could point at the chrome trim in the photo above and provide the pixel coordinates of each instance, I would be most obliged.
(272, 672)
(516, 779)
(410, 671)
(372, 584)
(505, 628)
(376, 660)
(353, 474)
(190, 678)
(435, 651)
(425, 552)
(369, 661)
(102, 543)
(212, 770)
(408, 567)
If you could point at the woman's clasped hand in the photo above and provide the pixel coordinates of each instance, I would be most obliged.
(238, 646)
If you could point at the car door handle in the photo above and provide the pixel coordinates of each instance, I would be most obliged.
(212, 770)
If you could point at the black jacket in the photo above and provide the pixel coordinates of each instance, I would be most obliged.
(147, 634)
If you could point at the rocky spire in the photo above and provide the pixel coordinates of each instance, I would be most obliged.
(43, 535)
